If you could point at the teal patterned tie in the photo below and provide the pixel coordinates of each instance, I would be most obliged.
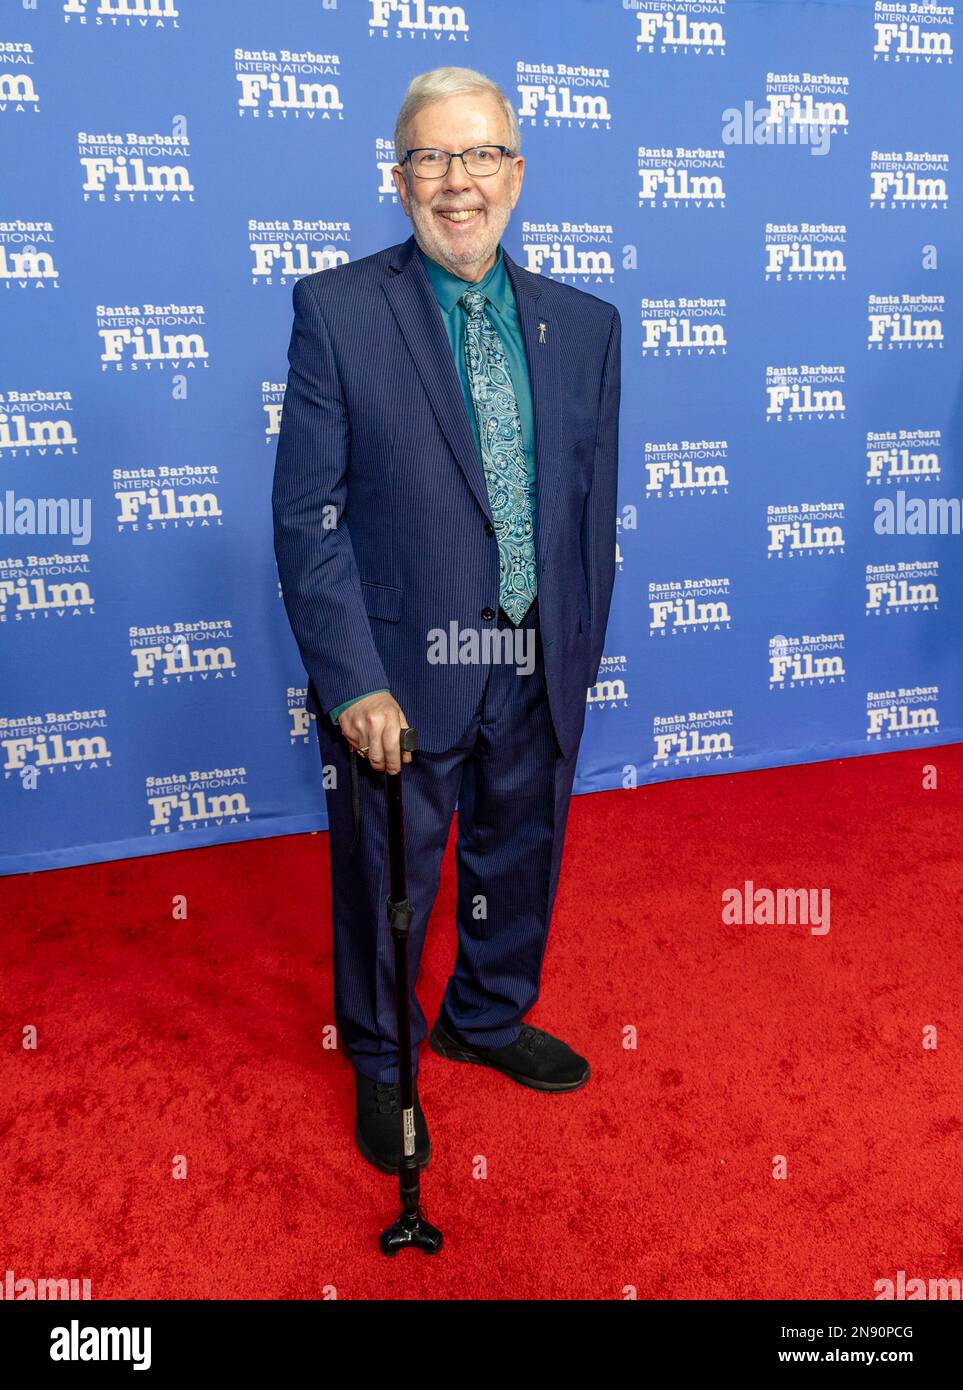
(510, 495)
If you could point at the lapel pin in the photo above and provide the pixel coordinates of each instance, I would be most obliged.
(541, 332)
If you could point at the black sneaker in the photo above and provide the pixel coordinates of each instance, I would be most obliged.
(534, 1059)
(378, 1125)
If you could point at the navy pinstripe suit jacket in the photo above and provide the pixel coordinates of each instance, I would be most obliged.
(382, 526)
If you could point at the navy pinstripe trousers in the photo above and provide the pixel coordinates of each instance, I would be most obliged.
(513, 788)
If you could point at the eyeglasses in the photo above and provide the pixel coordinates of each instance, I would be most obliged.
(479, 161)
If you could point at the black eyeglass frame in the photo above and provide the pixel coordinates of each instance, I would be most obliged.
(459, 154)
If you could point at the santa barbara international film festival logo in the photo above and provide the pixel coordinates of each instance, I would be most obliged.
(610, 690)
(683, 607)
(801, 530)
(272, 404)
(576, 253)
(681, 468)
(197, 800)
(682, 177)
(18, 90)
(284, 249)
(799, 393)
(893, 456)
(683, 327)
(151, 337)
(905, 712)
(27, 256)
(417, 19)
(686, 740)
(136, 166)
(182, 653)
(898, 322)
(807, 661)
(36, 587)
(167, 498)
(811, 251)
(912, 32)
(384, 161)
(903, 586)
(283, 84)
(36, 425)
(678, 26)
(128, 14)
(909, 179)
(299, 728)
(67, 741)
(801, 108)
(558, 95)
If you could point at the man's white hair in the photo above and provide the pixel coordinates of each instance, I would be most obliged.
(431, 86)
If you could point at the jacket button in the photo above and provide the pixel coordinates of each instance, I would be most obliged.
(489, 529)
(488, 614)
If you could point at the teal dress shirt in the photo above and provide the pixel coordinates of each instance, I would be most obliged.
(503, 313)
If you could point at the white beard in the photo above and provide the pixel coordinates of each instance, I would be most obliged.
(483, 245)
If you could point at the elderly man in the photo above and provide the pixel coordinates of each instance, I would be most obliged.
(444, 511)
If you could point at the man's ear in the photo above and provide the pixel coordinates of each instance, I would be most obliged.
(518, 173)
(398, 174)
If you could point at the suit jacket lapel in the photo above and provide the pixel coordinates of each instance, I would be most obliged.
(413, 303)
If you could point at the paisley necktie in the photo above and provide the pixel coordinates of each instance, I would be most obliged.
(510, 495)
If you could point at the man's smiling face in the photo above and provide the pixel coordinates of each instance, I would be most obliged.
(466, 246)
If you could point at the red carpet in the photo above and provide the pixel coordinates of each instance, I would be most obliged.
(160, 1037)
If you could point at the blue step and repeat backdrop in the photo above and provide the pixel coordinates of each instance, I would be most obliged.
(770, 192)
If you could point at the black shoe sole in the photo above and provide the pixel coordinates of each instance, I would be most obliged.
(457, 1052)
(380, 1163)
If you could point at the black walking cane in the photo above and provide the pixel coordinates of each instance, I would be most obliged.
(411, 1228)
